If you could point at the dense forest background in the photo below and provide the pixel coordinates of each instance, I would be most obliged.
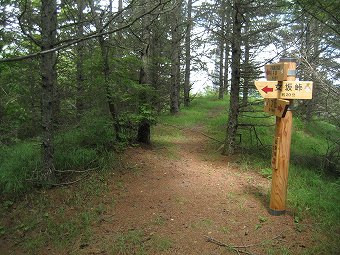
(81, 79)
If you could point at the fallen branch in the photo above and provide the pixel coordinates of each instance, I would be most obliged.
(69, 183)
(205, 135)
(258, 117)
(255, 125)
(193, 130)
(76, 171)
(237, 249)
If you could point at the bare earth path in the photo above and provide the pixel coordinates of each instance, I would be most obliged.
(165, 200)
(191, 195)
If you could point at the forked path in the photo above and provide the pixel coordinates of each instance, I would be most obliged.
(189, 195)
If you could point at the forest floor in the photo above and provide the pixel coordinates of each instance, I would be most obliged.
(183, 199)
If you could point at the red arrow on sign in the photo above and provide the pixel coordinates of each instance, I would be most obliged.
(266, 89)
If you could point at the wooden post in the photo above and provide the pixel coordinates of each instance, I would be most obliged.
(281, 156)
(279, 91)
(280, 163)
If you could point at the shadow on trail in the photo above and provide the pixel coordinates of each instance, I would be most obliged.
(259, 193)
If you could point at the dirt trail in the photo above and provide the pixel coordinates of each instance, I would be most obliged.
(191, 195)
(165, 200)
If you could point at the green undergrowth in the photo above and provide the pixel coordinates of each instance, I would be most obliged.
(85, 146)
(18, 164)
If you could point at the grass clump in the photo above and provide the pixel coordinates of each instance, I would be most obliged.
(18, 164)
(58, 231)
(136, 242)
(129, 243)
(159, 243)
(312, 193)
(87, 145)
(82, 146)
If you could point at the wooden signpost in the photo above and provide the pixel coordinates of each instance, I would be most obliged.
(279, 91)
(285, 89)
(277, 107)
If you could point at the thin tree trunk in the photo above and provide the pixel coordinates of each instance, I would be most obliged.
(227, 48)
(187, 86)
(246, 71)
(230, 142)
(105, 52)
(175, 59)
(144, 127)
(226, 67)
(120, 21)
(312, 56)
(80, 60)
(221, 51)
(49, 82)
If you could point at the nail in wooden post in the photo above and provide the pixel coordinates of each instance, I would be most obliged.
(281, 154)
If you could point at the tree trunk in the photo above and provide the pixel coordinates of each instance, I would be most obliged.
(226, 68)
(144, 132)
(187, 86)
(175, 61)
(174, 94)
(80, 61)
(227, 46)
(221, 51)
(144, 127)
(312, 58)
(230, 144)
(120, 21)
(246, 68)
(49, 82)
(105, 52)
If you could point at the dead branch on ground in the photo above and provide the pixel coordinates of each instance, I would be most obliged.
(236, 248)
(193, 130)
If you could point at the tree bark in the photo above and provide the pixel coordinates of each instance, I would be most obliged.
(80, 60)
(144, 132)
(312, 58)
(144, 127)
(226, 68)
(105, 52)
(246, 68)
(49, 82)
(187, 86)
(221, 51)
(175, 61)
(120, 21)
(230, 142)
(227, 48)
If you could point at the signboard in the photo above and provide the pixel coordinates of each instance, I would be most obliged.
(268, 89)
(284, 71)
(297, 90)
(277, 107)
(285, 89)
